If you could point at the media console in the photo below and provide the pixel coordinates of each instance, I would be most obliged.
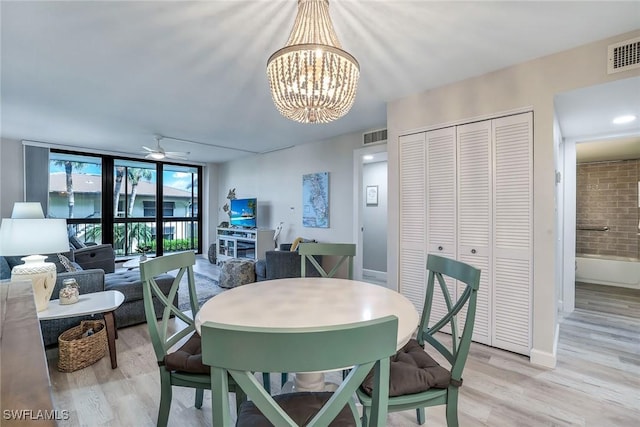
(243, 243)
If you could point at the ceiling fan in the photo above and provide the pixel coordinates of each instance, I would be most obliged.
(158, 153)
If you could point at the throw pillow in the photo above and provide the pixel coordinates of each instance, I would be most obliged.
(68, 266)
(294, 245)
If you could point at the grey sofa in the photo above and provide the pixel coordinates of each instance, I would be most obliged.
(131, 312)
(283, 264)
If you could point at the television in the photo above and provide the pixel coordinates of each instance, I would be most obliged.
(244, 213)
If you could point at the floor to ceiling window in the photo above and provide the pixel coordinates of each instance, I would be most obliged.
(134, 190)
(133, 204)
(181, 225)
(75, 193)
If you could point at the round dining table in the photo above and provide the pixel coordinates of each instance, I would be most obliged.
(309, 302)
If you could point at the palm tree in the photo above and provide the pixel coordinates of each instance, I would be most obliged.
(117, 187)
(135, 175)
(68, 170)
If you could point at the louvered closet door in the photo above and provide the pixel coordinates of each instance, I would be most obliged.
(475, 216)
(441, 204)
(513, 206)
(412, 262)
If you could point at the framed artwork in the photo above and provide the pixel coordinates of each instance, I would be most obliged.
(315, 200)
(372, 195)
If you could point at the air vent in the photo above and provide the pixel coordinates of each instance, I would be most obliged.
(375, 137)
(624, 56)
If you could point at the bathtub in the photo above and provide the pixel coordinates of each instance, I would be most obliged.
(606, 270)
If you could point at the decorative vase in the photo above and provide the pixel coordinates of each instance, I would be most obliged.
(143, 257)
(42, 275)
(70, 292)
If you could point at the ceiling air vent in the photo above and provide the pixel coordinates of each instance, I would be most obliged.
(375, 137)
(624, 56)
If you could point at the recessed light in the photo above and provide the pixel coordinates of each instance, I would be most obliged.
(620, 120)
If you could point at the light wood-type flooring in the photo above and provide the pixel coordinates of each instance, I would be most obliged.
(596, 381)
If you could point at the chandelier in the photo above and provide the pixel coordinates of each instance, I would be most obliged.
(312, 79)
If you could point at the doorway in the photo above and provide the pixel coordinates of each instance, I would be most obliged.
(592, 141)
(370, 214)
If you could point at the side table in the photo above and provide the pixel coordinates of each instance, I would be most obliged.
(98, 302)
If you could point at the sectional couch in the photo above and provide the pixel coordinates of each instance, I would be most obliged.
(94, 271)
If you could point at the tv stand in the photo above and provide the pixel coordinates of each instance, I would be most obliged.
(240, 242)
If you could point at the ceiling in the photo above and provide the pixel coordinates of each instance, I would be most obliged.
(109, 75)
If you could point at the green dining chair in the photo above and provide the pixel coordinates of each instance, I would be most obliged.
(366, 346)
(416, 379)
(345, 252)
(182, 367)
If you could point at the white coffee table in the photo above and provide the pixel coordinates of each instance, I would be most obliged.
(98, 302)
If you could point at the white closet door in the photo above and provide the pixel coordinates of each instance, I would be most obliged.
(441, 205)
(412, 262)
(475, 216)
(513, 207)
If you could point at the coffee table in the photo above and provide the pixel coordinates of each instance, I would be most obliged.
(309, 302)
(97, 302)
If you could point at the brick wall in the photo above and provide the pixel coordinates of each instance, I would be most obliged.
(607, 195)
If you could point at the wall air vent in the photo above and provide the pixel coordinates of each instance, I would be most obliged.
(624, 56)
(375, 137)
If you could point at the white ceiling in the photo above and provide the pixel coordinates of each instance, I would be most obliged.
(109, 75)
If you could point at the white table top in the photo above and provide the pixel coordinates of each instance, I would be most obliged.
(96, 302)
(309, 302)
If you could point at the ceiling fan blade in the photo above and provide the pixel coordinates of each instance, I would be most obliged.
(151, 150)
(176, 155)
(156, 155)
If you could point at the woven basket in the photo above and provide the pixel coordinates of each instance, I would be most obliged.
(77, 352)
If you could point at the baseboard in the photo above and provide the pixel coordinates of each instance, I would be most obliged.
(374, 276)
(544, 358)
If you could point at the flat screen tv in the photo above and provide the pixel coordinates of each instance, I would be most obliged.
(244, 213)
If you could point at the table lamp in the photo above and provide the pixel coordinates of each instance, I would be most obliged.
(29, 233)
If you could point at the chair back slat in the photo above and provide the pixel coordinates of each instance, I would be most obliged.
(159, 329)
(363, 346)
(344, 251)
(457, 352)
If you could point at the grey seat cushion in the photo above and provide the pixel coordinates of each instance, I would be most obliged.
(300, 406)
(188, 358)
(128, 282)
(412, 371)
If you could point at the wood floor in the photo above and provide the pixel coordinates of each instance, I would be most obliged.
(596, 381)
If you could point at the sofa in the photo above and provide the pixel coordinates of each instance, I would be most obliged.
(91, 279)
(283, 264)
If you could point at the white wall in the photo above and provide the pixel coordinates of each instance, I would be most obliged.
(276, 180)
(11, 175)
(529, 85)
(374, 218)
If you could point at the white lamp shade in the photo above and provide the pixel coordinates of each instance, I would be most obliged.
(22, 210)
(19, 237)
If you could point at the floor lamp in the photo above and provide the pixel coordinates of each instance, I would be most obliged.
(22, 236)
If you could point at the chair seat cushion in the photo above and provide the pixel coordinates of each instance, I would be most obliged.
(301, 407)
(412, 371)
(188, 358)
